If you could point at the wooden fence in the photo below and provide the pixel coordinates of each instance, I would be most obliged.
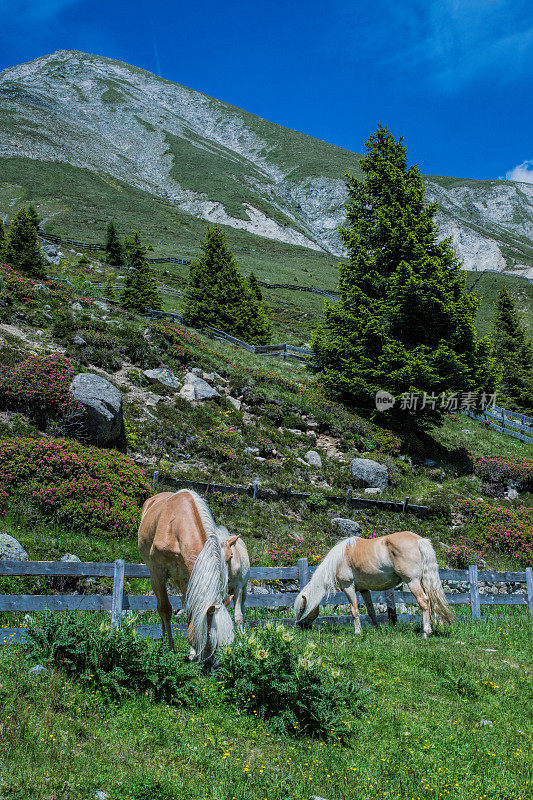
(519, 426)
(255, 491)
(117, 602)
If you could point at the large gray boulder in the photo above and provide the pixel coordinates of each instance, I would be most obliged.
(348, 527)
(10, 549)
(102, 421)
(202, 390)
(162, 375)
(367, 472)
(313, 458)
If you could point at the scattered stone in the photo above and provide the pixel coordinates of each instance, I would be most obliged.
(101, 304)
(368, 472)
(10, 549)
(260, 459)
(162, 375)
(294, 431)
(209, 377)
(312, 426)
(429, 462)
(71, 558)
(40, 288)
(38, 671)
(234, 402)
(49, 249)
(252, 451)
(76, 306)
(196, 371)
(301, 461)
(202, 390)
(483, 722)
(348, 527)
(467, 430)
(187, 392)
(103, 421)
(373, 490)
(100, 795)
(79, 340)
(313, 458)
(311, 435)
(511, 494)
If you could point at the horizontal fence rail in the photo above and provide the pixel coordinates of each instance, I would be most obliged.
(519, 426)
(116, 603)
(255, 491)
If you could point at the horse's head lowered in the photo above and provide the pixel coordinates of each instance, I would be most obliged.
(304, 618)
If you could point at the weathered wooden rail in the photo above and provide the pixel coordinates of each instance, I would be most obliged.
(117, 602)
(255, 491)
(514, 424)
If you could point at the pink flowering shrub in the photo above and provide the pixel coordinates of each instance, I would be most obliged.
(39, 386)
(84, 488)
(506, 469)
(497, 529)
(14, 287)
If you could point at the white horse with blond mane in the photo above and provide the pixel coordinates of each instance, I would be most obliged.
(178, 541)
(238, 561)
(357, 564)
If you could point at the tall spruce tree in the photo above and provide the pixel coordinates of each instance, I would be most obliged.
(113, 248)
(514, 352)
(254, 285)
(140, 290)
(404, 322)
(34, 217)
(217, 294)
(22, 250)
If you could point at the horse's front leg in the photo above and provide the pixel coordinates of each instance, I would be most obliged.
(349, 590)
(367, 597)
(240, 599)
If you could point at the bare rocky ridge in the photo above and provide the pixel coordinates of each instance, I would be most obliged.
(123, 122)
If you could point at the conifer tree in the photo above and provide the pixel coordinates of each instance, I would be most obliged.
(113, 247)
(109, 289)
(140, 290)
(22, 250)
(217, 294)
(254, 285)
(514, 352)
(404, 322)
(34, 217)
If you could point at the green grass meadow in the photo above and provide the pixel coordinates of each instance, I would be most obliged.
(450, 717)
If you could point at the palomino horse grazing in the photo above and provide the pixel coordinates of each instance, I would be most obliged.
(236, 557)
(178, 541)
(363, 564)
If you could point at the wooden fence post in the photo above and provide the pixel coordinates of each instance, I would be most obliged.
(118, 593)
(303, 572)
(529, 585)
(388, 596)
(474, 591)
(156, 477)
(405, 504)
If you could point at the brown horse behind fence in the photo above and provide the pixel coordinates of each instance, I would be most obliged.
(363, 564)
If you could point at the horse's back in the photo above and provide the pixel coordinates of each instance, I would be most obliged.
(171, 532)
(378, 563)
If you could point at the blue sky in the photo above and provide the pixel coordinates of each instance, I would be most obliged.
(453, 76)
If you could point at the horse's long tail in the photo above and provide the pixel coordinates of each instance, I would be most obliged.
(207, 587)
(431, 583)
(323, 581)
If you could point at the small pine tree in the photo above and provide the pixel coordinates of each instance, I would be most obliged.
(113, 247)
(22, 251)
(140, 290)
(404, 322)
(514, 352)
(217, 294)
(109, 289)
(34, 217)
(254, 285)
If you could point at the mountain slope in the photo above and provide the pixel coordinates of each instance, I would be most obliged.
(217, 162)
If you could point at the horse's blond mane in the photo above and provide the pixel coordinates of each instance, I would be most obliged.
(324, 579)
(207, 586)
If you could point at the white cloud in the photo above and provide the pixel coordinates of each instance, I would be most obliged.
(523, 173)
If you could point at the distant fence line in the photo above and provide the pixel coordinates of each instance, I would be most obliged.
(514, 424)
(117, 602)
(255, 491)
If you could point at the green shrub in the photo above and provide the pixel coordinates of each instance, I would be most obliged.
(85, 488)
(296, 694)
(117, 662)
